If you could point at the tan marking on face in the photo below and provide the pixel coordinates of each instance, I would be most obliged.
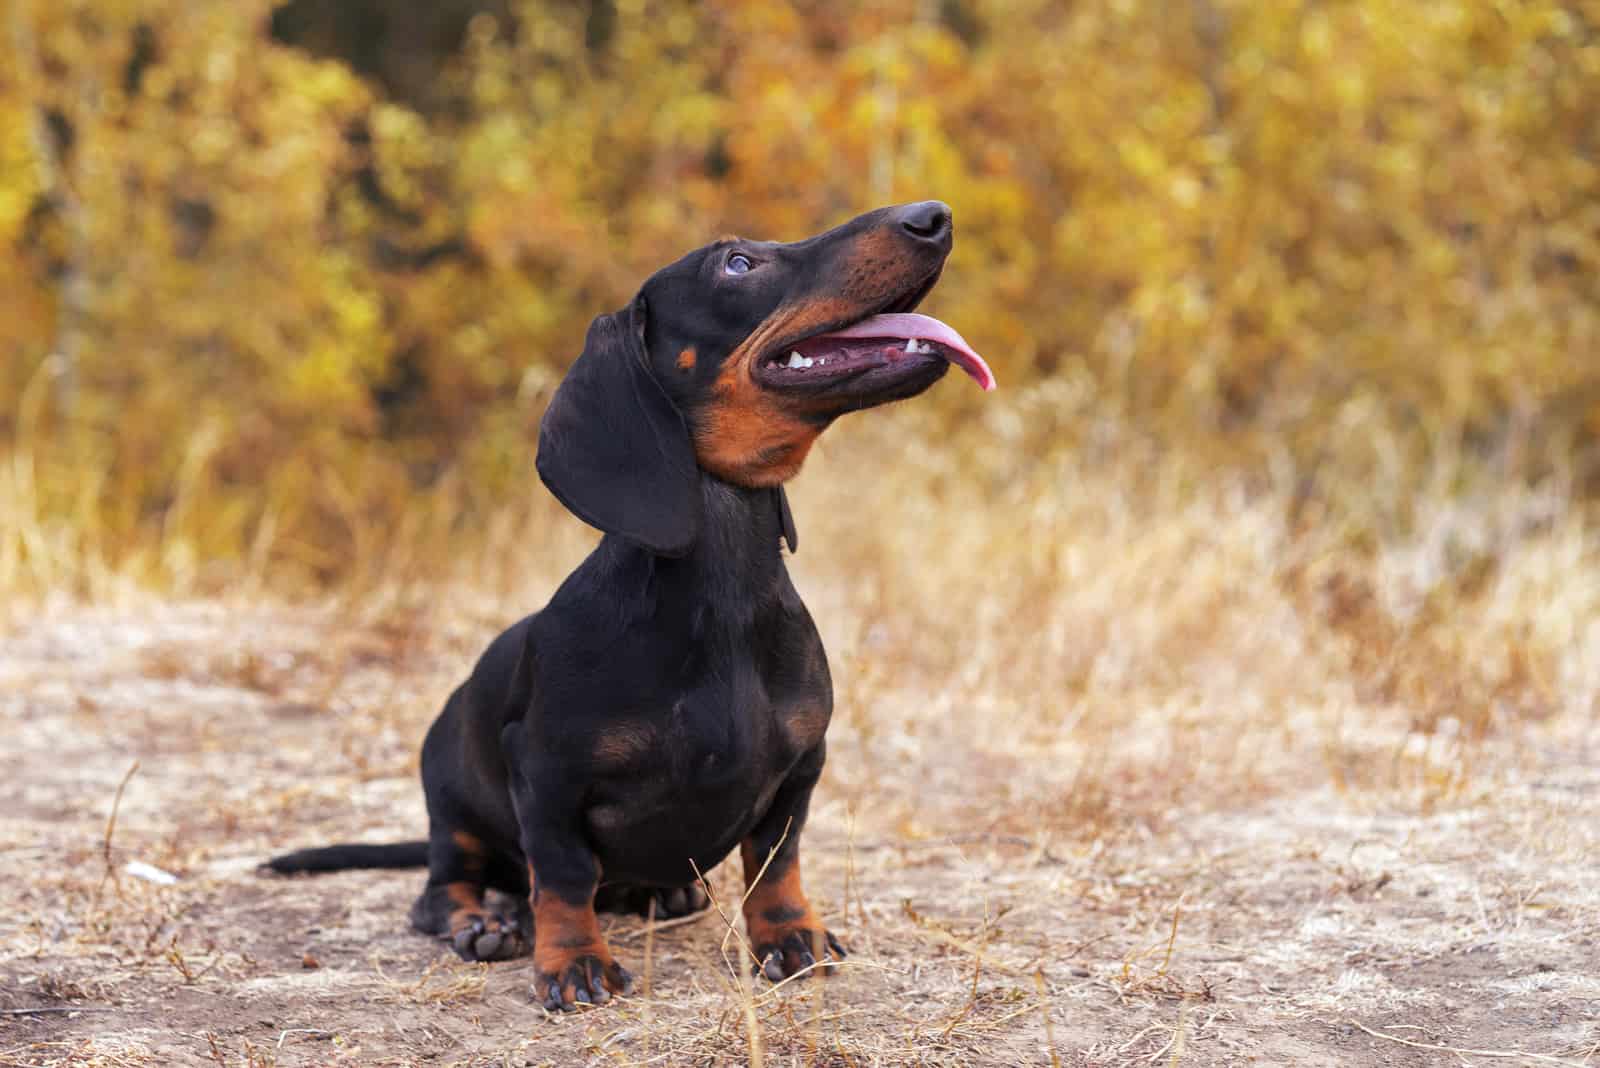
(745, 435)
(749, 436)
(795, 320)
(686, 359)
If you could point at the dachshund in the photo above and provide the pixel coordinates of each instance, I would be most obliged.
(670, 702)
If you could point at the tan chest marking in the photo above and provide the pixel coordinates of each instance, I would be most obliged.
(620, 747)
(804, 725)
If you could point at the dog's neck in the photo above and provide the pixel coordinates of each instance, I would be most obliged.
(736, 565)
(738, 553)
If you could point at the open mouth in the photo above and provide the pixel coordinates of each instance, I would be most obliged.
(901, 342)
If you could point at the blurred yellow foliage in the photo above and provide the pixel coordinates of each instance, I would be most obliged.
(256, 299)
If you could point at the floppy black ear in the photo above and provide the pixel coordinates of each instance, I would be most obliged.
(613, 447)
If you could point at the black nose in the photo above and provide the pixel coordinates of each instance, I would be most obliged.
(928, 221)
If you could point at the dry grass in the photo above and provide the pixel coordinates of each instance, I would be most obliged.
(1137, 760)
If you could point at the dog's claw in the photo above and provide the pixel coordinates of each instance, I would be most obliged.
(794, 955)
(834, 947)
(479, 941)
(585, 982)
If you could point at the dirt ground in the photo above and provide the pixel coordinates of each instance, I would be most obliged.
(1310, 921)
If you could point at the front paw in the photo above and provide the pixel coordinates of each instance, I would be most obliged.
(487, 936)
(586, 979)
(785, 951)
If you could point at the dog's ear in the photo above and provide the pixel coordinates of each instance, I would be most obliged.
(613, 447)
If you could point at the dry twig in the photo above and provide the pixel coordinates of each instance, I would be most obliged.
(1498, 1054)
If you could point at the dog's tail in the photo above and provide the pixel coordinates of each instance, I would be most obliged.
(352, 855)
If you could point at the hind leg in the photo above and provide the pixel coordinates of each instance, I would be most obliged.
(627, 898)
(452, 905)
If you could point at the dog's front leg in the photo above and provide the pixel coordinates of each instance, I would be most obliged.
(787, 936)
(572, 963)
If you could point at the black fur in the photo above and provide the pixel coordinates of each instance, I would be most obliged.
(614, 449)
(353, 855)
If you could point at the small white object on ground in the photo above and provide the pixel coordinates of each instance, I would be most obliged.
(149, 873)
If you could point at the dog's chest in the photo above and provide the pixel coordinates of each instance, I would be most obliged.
(692, 783)
(701, 735)
(715, 736)
(701, 765)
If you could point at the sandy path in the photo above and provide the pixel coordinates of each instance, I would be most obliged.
(1309, 924)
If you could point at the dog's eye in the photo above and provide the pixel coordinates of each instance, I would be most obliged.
(738, 263)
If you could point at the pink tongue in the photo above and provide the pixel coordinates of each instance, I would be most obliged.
(908, 325)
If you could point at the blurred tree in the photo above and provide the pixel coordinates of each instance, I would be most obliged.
(276, 268)
(406, 48)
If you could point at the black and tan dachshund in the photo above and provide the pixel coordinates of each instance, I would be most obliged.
(670, 702)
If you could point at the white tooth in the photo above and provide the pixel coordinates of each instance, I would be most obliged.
(911, 344)
(823, 360)
(796, 360)
(809, 361)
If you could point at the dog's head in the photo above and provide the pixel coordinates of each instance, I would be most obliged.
(733, 359)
